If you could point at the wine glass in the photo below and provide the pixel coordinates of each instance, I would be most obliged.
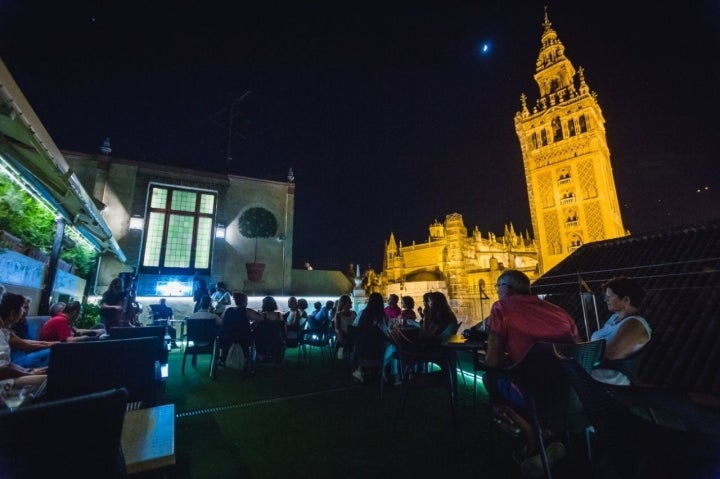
(13, 397)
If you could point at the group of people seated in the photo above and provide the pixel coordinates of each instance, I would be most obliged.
(378, 328)
(519, 319)
(269, 330)
(23, 362)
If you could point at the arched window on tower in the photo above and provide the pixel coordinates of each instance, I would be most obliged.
(571, 219)
(571, 127)
(533, 139)
(583, 124)
(557, 129)
(554, 85)
(564, 176)
(543, 137)
(575, 242)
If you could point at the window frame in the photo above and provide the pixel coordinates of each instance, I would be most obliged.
(169, 216)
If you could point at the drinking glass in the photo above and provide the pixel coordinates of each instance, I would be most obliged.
(13, 397)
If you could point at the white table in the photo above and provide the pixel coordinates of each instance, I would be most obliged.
(148, 438)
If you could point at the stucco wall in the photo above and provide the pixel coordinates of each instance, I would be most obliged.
(123, 186)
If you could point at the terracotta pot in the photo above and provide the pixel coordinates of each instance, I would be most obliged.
(255, 271)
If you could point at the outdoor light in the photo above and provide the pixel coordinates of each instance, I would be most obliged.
(173, 287)
(220, 231)
(137, 223)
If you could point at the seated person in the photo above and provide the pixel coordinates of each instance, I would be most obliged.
(235, 327)
(270, 332)
(311, 322)
(220, 299)
(344, 318)
(302, 310)
(439, 324)
(26, 352)
(205, 311)
(293, 321)
(392, 310)
(367, 336)
(160, 315)
(517, 320)
(408, 309)
(60, 327)
(12, 374)
(625, 332)
(322, 316)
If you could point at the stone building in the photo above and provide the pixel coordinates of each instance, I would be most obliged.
(169, 225)
(176, 223)
(569, 177)
(464, 268)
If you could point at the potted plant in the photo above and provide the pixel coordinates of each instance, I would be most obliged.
(254, 223)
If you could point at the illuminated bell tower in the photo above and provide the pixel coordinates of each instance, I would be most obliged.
(567, 161)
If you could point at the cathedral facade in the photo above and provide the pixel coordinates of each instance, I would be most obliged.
(463, 267)
(569, 177)
(571, 194)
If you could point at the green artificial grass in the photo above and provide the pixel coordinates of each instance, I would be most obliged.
(313, 420)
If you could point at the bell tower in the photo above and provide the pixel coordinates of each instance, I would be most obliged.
(566, 158)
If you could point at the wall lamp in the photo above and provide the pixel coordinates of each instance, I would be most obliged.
(137, 223)
(219, 231)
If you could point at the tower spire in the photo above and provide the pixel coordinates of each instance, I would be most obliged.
(546, 23)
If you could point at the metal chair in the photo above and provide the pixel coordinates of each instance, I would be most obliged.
(552, 405)
(202, 338)
(320, 337)
(629, 366)
(646, 432)
(417, 372)
(269, 343)
(368, 349)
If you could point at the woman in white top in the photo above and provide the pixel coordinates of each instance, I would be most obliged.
(625, 332)
(11, 307)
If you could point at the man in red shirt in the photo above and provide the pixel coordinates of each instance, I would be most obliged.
(517, 321)
(59, 327)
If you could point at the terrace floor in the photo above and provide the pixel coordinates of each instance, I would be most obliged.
(312, 420)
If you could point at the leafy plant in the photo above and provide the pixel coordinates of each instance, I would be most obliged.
(257, 222)
(90, 316)
(23, 216)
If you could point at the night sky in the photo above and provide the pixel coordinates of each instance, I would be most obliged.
(390, 116)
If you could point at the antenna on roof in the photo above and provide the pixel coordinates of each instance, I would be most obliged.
(235, 102)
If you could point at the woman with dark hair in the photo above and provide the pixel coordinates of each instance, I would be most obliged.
(438, 325)
(626, 331)
(369, 339)
(407, 311)
(11, 308)
(440, 320)
(235, 327)
(27, 352)
(270, 332)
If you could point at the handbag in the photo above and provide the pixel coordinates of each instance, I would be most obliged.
(236, 357)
